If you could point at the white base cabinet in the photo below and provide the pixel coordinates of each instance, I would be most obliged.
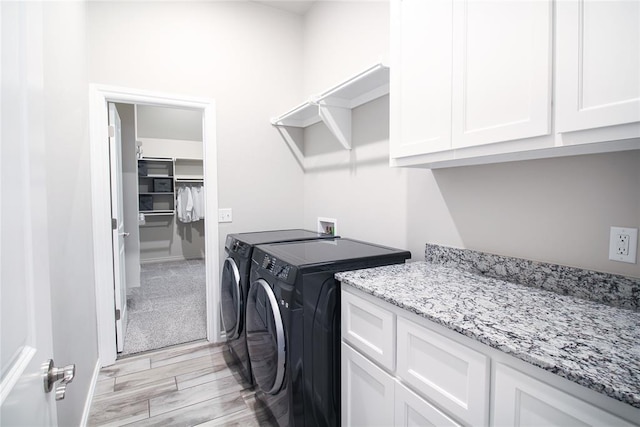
(447, 373)
(412, 410)
(370, 329)
(442, 378)
(432, 371)
(372, 397)
(366, 391)
(520, 400)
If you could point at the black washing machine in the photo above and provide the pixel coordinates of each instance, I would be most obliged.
(293, 324)
(234, 286)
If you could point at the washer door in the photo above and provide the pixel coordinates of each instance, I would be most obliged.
(265, 337)
(231, 299)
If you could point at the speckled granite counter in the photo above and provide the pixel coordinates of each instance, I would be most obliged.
(592, 344)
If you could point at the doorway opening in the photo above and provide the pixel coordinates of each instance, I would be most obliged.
(157, 176)
(162, 170)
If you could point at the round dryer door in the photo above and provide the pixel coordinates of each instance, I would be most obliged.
(265, 337)
(231, 299)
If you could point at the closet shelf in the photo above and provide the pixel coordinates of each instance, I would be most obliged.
(333, 107)
(156, 159)
(157, 213)
(155, 176)
(189, 179)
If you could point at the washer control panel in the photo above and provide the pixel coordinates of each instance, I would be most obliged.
(276, 267)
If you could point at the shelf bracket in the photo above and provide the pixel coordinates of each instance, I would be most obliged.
(290, 135)
(338, 120)
(333, 108)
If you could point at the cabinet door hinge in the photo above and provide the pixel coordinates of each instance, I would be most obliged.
(112, 131)
(114, 223)
(117, 314)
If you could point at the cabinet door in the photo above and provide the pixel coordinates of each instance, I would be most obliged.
(453, 376)
(520, 400)
(501, 71)
(367, 391)
(412, 410)
(598, 64)
(420, 97)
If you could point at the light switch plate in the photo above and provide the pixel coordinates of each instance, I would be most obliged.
(623, 244)
(225, 215)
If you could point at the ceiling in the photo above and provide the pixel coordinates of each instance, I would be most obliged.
(299, 7)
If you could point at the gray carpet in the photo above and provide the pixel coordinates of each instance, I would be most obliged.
(168, 308)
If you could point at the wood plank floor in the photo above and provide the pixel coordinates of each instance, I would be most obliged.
(187, 385)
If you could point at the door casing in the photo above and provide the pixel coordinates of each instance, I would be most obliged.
(99, 97)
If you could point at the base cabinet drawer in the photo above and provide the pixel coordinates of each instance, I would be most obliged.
(367, 391)
(520, 400)
(447, 373)
(412, 410)
(370, 329)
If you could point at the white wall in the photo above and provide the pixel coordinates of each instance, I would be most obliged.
(69, 200)
(341, 39)
(553, 210)
(244, 55)
(169, 123)
(357, 187)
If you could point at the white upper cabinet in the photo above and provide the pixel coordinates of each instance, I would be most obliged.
(598, 64)
(420, 97)
(468, 73)
(472, 81)
(501, 71)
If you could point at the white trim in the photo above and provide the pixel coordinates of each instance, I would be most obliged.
(99, 95)
(92, 389)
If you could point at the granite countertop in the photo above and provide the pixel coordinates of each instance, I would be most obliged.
(590, 343)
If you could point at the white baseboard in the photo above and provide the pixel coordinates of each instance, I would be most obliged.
(90, 393)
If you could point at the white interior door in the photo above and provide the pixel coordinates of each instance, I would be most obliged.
(25, 315)
(117, 213)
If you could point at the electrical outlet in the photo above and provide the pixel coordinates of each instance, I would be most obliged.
(623, 244)
(225, 215)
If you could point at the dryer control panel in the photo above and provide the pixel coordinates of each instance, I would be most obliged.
(236, 246)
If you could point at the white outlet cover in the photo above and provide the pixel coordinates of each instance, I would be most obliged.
(633, 244)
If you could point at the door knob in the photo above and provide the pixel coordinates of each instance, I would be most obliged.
(51, 375)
